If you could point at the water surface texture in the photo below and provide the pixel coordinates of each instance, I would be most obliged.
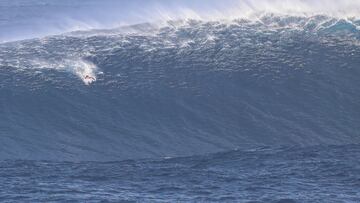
(282, 175)
(263, 107)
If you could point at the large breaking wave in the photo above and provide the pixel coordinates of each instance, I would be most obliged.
(181, 88)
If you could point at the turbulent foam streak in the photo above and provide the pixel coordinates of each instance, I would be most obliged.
(85, 70)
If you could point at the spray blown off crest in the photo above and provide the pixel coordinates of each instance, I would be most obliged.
(251, 9)
(111, 14)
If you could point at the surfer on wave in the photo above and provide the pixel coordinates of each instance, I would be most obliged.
(87, 77)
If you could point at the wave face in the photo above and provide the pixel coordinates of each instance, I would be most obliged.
(184, 88)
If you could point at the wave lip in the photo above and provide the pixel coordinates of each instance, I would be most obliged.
(20, 22)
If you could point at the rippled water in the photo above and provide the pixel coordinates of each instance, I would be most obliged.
(281, 89)
(315, 174)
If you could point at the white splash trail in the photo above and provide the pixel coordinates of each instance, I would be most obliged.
(85, 70)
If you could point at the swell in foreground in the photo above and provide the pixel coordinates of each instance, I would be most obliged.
(284, 175)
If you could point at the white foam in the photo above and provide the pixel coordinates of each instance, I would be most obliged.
(85, 70)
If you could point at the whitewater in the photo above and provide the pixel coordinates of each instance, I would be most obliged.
(250, 101)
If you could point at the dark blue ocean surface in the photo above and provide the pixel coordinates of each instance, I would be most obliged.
(316, 174)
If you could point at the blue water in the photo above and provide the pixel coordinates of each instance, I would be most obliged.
(236, 110)
(315, 174)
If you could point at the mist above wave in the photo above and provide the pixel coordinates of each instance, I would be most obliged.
(38, 18)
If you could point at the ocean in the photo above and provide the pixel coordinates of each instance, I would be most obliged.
(258, 109)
